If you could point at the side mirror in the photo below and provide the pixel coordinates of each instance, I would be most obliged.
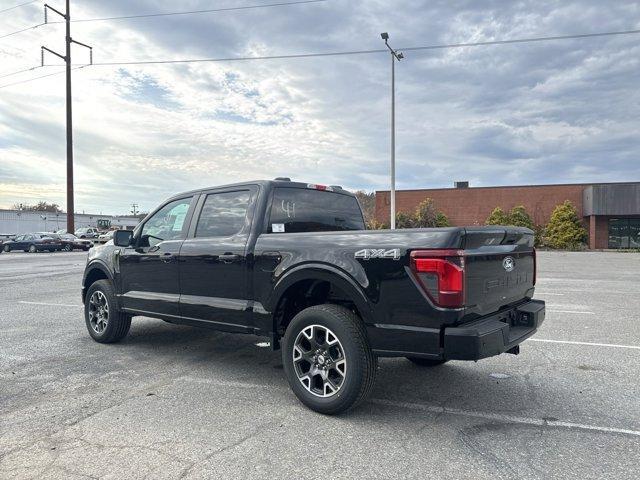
(122, 238)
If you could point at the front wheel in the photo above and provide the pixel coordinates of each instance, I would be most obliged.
(32, 249)
(7, 248)
(327, 359)
(425, 362)
(104, 322)
(68, 247)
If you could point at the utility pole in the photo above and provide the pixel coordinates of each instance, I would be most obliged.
(394, 56)
(67, 60)
(134, 209)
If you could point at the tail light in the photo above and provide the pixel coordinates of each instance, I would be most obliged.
(535, 266)
(441, 275)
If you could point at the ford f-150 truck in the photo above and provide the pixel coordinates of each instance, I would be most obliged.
(293, 262)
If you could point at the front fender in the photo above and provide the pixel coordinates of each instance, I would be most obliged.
(90, 269)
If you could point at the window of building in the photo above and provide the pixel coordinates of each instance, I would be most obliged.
(223, 214)
(624, 233)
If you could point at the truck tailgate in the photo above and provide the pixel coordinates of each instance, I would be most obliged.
(499, 268)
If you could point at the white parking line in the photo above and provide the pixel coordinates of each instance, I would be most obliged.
(568, 342)
(540, 422)
(51, 304)
(548, 293)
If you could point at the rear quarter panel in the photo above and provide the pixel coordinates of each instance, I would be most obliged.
(386, 283)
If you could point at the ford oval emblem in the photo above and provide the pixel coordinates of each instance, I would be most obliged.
(509, 264)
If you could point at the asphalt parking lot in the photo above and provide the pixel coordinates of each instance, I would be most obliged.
(180, 402)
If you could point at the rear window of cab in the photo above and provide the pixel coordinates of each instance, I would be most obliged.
(296, 210)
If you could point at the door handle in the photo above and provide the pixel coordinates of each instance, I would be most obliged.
(228, 257)
(167, 257)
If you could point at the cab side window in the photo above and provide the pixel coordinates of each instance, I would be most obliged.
(223, 214)
(168, 223)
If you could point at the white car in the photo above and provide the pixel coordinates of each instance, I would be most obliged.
(105, 237)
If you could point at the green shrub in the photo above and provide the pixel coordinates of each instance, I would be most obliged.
(565, 230)
(497, 217)
(426, 215)
(518, 217)
(442, 220)
(405, 220)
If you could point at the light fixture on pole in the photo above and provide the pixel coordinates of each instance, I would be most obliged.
(394, 56)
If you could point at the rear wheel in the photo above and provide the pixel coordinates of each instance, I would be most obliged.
(68, 247)
(425, 362)
(7, 248)
(327, 359)
(104, 322)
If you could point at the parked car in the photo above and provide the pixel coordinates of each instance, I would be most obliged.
(5, 237)
(105, 237)
(87, 232)
(293, 262)
(32, 243)
(69, 242)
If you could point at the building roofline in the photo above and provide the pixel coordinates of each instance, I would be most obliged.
(64, 214)
(591, 184)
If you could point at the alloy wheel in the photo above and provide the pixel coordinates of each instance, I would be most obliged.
(98, 312)
(319, 361)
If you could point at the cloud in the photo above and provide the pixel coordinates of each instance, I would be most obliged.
(532, 113)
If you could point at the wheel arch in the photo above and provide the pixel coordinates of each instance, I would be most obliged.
(314, 284)
(95, 271)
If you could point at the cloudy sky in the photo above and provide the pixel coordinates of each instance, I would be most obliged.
(552, 112)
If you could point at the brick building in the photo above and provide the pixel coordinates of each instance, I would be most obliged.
(610, 211)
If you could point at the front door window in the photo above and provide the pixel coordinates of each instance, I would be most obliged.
(168, 223)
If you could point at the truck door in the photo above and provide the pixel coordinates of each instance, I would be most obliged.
(149, 279)
(213, 260)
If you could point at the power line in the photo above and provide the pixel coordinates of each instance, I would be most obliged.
(151, 15)
(365, 52)
(43, 76)
(351, 52)
(526, 40)
(19, 71)
(17, 6)
(192, 12)
(23, 30)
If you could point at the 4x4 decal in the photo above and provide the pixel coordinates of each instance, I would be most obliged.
(369, 253)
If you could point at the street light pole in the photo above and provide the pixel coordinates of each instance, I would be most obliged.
(394, 56)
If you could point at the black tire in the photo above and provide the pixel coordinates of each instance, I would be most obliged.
(425, 362)
(32, 249)
(7, 248)
(68, 247)
(360, 364)
(117, 323)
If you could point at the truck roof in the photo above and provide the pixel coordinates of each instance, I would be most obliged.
(280, 182)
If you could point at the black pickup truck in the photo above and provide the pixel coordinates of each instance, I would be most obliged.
(293, 262)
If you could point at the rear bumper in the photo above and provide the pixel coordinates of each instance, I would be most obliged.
(486, 337)
(493, 335)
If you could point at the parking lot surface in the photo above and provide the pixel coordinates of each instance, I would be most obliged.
(178, 402)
